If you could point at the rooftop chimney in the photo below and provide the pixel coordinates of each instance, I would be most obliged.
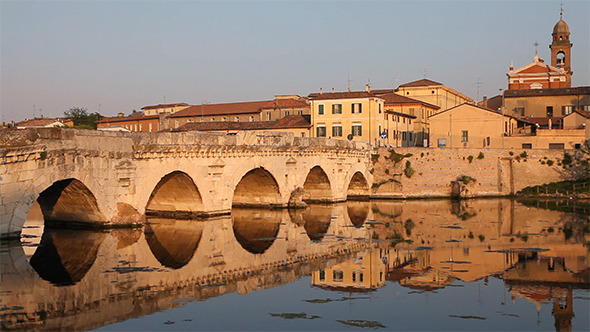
(321, 90)
(120, 114)
(332, 90)
(367, 88)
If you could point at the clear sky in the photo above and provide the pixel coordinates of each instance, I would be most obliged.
(117, 56)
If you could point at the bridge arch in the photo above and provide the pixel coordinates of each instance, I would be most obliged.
(258, 187)
(317, 186)
(175, 192)
(358, 187)
(69, 201)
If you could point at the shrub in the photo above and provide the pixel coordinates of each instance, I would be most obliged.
(409, 171)
(567, 159)
(387, 171)
(524, 154)
(467, 179)
(549, 162)
(374, 157)
(511, 153)
(480, 155)
(397, 157)
(470, 235)
(481, 237)
(470, 158)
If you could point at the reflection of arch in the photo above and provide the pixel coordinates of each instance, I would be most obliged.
(257, 188)
(65, 256)
(71, 201)
(317, 186)
(256, 230)
(357, 212)
(358, 188)
(317, 221)
(173, 242)
(175, 192)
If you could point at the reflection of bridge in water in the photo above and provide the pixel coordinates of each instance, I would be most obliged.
(82, 279)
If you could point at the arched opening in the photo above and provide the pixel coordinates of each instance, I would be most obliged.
(65, 256)
(175, 194)
(560, 59)
(357, 212)
(257, 188)
(317, 186)
(256, 230)
(317, 221)
(358, 188)
(69, 201)
(173, 242)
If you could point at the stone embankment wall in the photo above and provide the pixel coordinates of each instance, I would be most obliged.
(421, 172)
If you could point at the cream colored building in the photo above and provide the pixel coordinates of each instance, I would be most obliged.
(471, 126)
(576, 120)
(163, 108)
(433, 93)
(365, 274)
(356, 115)
(416, 112)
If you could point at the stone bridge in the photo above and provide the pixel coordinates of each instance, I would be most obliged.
(110, 179)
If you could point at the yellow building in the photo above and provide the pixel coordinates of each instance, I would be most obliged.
(433, 93)
(471, 126)
(354, 115)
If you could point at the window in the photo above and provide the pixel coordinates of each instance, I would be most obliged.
(404, 136)
(465, 136)
(338, 275)
(357, 130)
(237, 119)
(353, 276)
(322, 275)
(337, 130)
(150, 127)
(442, 142)
(357, 108)
(361, 277)
(251, 118)
(567, 109)
(321, 109)
(268, 116)
(586, 107)
(336, 108)
(224, 119)
(287, 113)
(527, 145)
(556, 146)
(380, 109)
(412, 111)
(549, 111)
(300, 112)
(519, 111)
(321, 131)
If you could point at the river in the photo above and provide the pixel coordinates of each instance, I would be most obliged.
(484, 264)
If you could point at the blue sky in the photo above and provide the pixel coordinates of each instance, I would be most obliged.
(117, 56)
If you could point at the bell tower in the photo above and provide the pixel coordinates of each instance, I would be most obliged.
(561, 48)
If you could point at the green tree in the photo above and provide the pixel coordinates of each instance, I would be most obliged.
(82, 119)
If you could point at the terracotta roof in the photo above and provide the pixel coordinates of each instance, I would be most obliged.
(112, 119)
(382, 91)
(401, 114)
(249, 107)
(40, 122)
(582, 90)
(341, 95)
(544, 121)
(163, 106)
(291, 121)
(284, 103)
(583, 113)
(484, 109)
(422, 82)
(395, 99)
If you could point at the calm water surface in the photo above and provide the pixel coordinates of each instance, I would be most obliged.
(491, 264)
